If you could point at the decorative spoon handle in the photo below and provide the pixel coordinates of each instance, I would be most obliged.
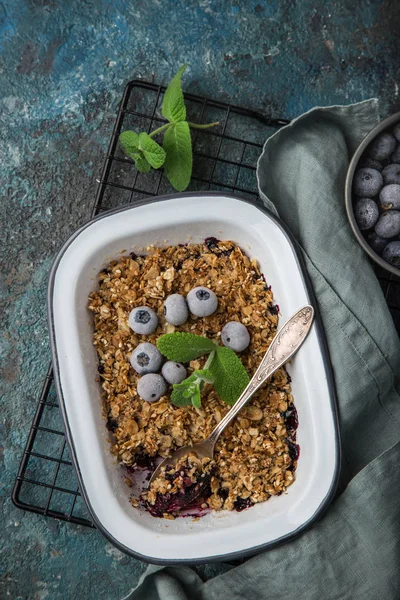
(284, 345)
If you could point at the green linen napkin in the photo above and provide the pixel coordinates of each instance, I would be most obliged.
(353, 551)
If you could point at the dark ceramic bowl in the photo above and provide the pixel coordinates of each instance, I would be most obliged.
(387, 123)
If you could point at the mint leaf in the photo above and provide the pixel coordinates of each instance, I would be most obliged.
(196, 399)
(186, 382)
(153, 152)
(179, 399)
(230, 376)
(173, 106)
(182, 393)
(184, 347)
(142, 165)
(178, 162)
(204, 375)
(129, 142)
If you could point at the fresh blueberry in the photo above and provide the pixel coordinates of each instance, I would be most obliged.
(146, 358)
(382, 146)
(396, 131)
(391, 174)
(366, 213)
(175, 309)
(371, 163)
(388, 225)
(390, 196)
(173, 372)
(391, 253)
(235, 336)
(367, 182)
(376, 242)
(151, 387)
(202, 301)
(143, 320)
(396, 155)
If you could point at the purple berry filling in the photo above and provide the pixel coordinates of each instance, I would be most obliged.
(211, 242)
(144, 461)
(223, 493)
(294, 450)
(291, 421)
(173, 503)
(274, 309)
(111, 425)
(242, 503)
(212, 246)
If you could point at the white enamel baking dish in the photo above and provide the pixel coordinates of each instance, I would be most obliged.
(216, 536)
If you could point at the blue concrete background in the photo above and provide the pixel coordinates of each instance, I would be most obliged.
(63, 68)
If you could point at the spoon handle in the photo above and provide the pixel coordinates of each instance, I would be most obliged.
(284, 345)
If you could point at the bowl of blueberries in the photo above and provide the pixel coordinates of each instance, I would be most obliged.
(373, 194)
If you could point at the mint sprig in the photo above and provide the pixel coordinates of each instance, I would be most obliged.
(184, 347)
(143, 150)
(223, 368)
(176, 151)
(189, 390)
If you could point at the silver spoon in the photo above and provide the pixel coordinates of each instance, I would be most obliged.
(284, 345)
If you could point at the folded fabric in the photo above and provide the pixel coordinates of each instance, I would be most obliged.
(353, 551)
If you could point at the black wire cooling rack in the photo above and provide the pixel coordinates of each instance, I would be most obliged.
(224, 159)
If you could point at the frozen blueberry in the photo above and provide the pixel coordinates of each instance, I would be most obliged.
(388, 225)
(366, 213)
(202, 302)
(382, 146)
(396, 155)
(391, 174)
(146, 358)
(151, 387)
(143, 320)
(396, 131)
(367, 182)
(371, 163)
(376, 242)
(235, 336)
(173, 372)
(389, 196)
(175, 309)
(391, 253)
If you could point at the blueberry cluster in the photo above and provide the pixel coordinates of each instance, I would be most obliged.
(147, 360)
(376, 189)
(200, 302)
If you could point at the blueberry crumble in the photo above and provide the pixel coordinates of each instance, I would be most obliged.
(256, 456)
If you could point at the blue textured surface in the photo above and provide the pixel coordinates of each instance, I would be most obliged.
(63, 67)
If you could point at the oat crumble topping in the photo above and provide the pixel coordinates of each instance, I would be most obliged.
(256, 456)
